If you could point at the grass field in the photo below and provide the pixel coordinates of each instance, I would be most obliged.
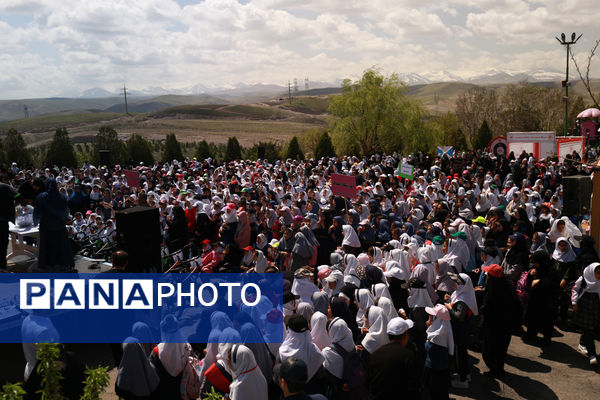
(43, 123)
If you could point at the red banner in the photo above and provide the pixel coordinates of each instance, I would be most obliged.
(133, 178)
(343, 185)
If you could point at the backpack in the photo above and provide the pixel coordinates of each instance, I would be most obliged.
(190, 380)
(354, 376)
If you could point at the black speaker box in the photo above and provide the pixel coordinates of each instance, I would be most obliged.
(577, 194)
(138, 233)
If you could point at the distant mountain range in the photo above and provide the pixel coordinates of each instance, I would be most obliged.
(230, 92)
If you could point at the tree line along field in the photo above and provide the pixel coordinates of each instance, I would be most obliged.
(444, 108)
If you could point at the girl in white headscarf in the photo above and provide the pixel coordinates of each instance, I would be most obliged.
(380, 290)
(351, 242)
(248, 381)
(586, 304)
(300, 344)
(387, 306)
(340, 335)
(318, 330)
(563, 227)
(401, 258)
(377, 335)
(364, 299)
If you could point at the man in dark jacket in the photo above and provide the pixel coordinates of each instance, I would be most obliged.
(7, 214)
(393, 368)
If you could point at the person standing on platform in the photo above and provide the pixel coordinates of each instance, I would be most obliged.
(8, 194)
(51, 212)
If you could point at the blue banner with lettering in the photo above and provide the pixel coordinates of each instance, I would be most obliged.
(107, 308)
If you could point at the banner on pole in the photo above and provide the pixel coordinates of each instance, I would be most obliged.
(406, 170)
(343, 185)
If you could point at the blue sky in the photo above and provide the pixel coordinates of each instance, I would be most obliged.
(53, 47)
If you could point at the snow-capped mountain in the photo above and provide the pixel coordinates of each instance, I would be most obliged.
(490, 76)
(441, 76)
(412, 78)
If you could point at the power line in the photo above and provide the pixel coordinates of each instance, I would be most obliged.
(125, 94)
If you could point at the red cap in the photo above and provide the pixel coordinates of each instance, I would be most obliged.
(248, 248)
(206, 241)
(494, 270)
(456, 176)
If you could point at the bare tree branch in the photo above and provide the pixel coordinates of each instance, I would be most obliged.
(586, 80)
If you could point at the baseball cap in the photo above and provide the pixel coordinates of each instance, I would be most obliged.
(397, 326)
(494, 270)
(248, 248)
(292, 370)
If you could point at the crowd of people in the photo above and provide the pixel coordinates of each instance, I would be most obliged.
(383, 293)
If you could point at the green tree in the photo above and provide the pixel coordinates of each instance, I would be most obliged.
(108, 139)
(324, 147)
(483, 137)
(293, 150)
(233, 150)
(375, 115)
(61, 151)
(172, 149)
(139, 150)
(203, 151)
(15, 148)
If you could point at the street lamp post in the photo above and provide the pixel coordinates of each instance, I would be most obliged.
(565, 83)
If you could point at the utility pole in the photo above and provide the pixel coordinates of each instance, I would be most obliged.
(306, 83)
(125, 94)
(290, 92)
(26, 111)
(566, 83)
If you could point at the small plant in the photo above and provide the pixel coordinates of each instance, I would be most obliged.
(12, 391)
(96, 382)
(213, 395)
(49, 369)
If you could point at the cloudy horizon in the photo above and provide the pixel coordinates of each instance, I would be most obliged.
(53, 47)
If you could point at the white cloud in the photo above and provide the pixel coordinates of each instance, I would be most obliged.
(81, 44)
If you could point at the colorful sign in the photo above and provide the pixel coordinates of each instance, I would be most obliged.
(343, 185)
(406, 170)
(540, 144)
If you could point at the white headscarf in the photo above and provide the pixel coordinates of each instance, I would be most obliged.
(174, 356)
(388, 308)
(304, 288)
(350, 237)
(570, 232)
(377, 335)
(380, 290)
(563, 256)
(440, 333)
(351, 263)
(466, 294)
(248, 381)
(318, 330)
(400, 257)
(340, 334)
(299, 344)
(261, 262)
(364, 299)
(419, 297)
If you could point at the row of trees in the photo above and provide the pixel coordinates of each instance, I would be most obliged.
(61, 150)
(375, 114)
